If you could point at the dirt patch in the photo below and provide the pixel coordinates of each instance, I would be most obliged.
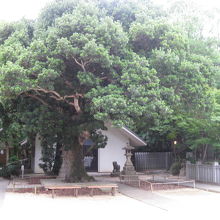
(36, 179)
(60, 192)
(25, 186)
(31, 180)
(149, 185)
(164, 186)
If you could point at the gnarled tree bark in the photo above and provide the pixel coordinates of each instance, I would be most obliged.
(72, 169)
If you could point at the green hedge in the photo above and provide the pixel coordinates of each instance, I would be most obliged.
(10, 170)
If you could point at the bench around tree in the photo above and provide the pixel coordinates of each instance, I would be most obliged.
(76, 187)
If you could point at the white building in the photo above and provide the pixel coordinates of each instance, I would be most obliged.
(102, 160)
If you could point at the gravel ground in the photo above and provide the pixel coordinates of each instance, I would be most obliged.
(184, 204)
(194, 203)
(29, 206)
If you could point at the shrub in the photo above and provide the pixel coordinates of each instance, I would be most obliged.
(175, 168)
(13, 158)
(4, 172)
(10, 170)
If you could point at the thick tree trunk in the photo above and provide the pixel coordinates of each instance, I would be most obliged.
(7, 153)
(204, 152)
(72, 169)
(58, 160)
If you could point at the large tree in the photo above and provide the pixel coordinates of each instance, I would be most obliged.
(77, 63)
(84, 63)
(186, 60)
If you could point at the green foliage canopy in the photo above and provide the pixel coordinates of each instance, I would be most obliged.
(83, 63)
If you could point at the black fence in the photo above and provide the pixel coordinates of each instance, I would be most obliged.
(153, 160)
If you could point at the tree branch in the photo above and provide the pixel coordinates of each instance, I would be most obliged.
(81, 64)
(75, 102)
(76, 105)
(47, 91)
(73, 96)
(56, 96)
(37, 98)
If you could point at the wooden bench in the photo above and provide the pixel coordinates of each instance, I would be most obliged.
(113, 188)
(53, 188)
(54, 185)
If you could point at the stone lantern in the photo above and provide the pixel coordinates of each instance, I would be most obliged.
(128, 168)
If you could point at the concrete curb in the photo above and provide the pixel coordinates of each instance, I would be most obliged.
(208, 190)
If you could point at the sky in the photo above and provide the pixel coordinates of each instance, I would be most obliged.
(206, 4)
(11, 10)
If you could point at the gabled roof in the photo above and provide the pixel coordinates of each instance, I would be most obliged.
(135, 140)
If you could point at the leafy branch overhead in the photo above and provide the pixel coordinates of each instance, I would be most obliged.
(82, 64)
(83, 61)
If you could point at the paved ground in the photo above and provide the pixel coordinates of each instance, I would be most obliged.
(194, 204)
(36, 207)
(185, 203)
(179, 203)
(130, 204)
(208, 187)
(137, 204)
(3, 186)
(147, 197)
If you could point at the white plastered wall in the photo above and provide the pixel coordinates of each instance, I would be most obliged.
(113, 150)
(38, 155)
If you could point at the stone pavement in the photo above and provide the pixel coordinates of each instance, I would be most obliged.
(147, 197)
(156, 199)
(208, 187)
(161, 201)
(3, 187)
